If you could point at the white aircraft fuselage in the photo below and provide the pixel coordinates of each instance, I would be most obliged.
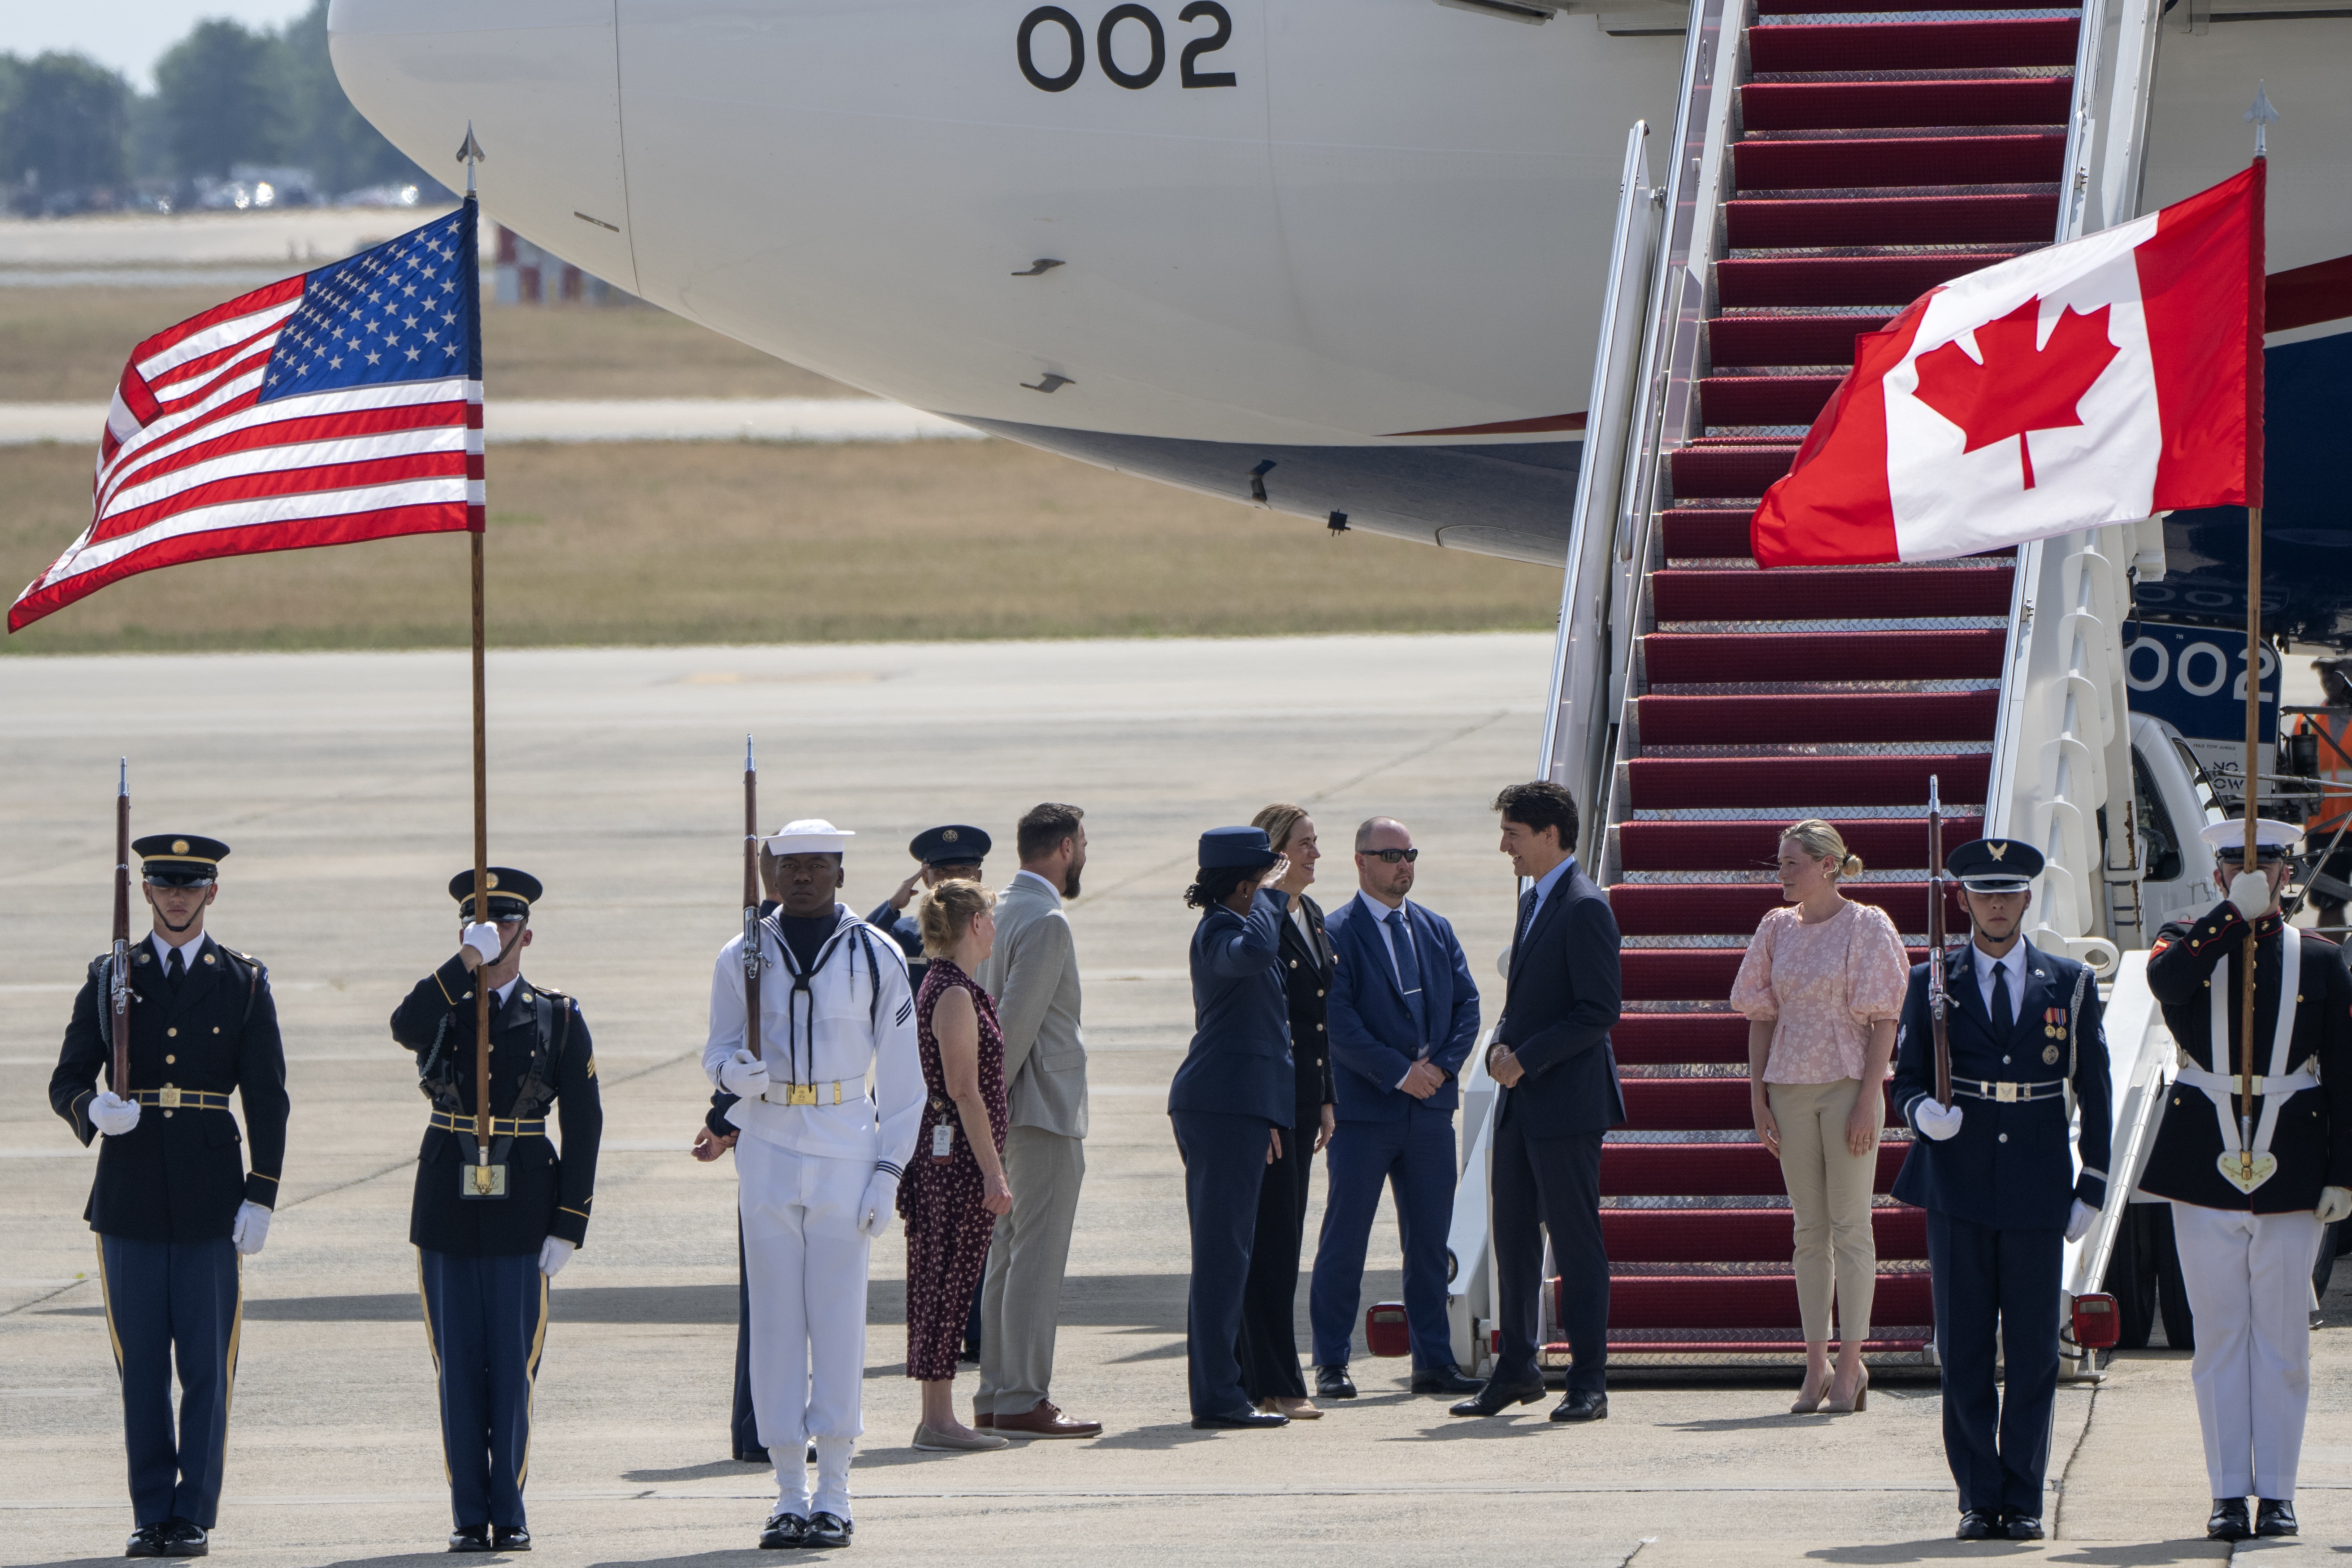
(1349, 253)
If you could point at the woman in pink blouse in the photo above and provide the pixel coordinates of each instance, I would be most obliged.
(1821, 987)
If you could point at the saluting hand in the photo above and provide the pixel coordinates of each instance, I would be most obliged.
(906, 893)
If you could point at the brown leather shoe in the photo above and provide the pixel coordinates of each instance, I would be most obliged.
(1046, 1420)
(982, 1422)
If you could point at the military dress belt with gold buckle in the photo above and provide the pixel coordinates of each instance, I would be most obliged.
(501, 1126)
(838, 1092)
(2009, 1093)
(171, 1097)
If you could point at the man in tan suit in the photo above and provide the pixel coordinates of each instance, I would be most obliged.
(1033, 975)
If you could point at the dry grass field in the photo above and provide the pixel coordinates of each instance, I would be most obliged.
(723, 542)
(67, 345)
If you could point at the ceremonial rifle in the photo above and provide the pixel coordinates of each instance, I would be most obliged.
(1939, 1000)
(118, 981)
(751, 944)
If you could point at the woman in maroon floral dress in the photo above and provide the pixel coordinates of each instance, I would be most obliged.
(955, 1185)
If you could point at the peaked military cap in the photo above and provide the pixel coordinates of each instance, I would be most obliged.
(1994, 865)
(948, 846)
(2274, 841)
(1244, 846)
(179, 859)
(512, 892)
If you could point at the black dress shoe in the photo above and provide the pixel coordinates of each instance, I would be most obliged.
(1582, 1404)
(783, 1532)
(2021, 1527)
(828, 1530)
(1494, 1397)
(510, 1538)
(1333, 1383)
(147, 1540)
(1446, 1379)
(752, 1455)
(470, 1538)
(1981, 1524)
(1241, 1421)
(2273, 1516)
(2229, 1521)
(185, 1537)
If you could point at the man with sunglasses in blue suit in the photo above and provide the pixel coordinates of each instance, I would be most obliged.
(1403, 1017)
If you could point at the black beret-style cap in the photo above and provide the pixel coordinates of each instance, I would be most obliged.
(947, 845)
(179, 859)
(512, 892)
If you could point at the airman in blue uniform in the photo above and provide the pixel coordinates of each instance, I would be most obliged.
(174, 1205)
(946, 854)
(1996, 1173)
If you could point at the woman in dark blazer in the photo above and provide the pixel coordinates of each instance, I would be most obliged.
(1230, 1103)
(1270, 1343)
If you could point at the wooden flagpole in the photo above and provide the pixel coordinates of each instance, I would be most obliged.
(471, 154)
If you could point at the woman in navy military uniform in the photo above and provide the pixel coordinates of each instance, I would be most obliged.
(1995, 1171)
(1230, 1100)
(2247, 1230)
(484, 1262)
(172, 1203)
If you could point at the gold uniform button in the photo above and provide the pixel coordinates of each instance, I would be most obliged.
(169, 1114)
(215, 1028)
(209, 958)
(170, 1059)
(172, 1034)
(1318, 991)
(1294, 964)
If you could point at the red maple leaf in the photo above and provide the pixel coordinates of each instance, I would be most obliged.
(2019, 388)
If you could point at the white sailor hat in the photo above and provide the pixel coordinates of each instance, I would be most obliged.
(810, 835)
(2273, 840)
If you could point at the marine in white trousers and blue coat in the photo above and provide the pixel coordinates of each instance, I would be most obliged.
(1996, 1173)
(2248, 1230)
(817, 1170)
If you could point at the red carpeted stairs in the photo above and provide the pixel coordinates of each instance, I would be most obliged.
(1877, 153)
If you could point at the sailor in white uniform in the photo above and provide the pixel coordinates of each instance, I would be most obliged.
(818, 1163)
(2249, 1193)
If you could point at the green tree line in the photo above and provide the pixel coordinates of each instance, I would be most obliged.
(75, 134)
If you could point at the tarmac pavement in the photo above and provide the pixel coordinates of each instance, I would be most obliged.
(340, 781)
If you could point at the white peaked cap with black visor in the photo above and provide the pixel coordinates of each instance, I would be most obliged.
(2273, 840)
(810, 835)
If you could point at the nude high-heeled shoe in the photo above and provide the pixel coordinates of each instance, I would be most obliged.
(1808, 1398)
(1860, 1400)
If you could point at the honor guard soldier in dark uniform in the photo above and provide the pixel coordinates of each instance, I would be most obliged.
(484, 1261)
(2247, 1228)
(1995, 1171)
(174, 1205)
(948, 854)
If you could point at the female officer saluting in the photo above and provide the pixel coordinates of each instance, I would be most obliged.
(1230, 1101)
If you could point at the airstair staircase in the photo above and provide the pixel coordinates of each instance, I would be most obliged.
(1832, 160)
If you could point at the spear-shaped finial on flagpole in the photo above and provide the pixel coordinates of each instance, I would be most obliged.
(2259, 115)
(471, 154)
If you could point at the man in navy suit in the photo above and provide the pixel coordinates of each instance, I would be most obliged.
(1403, 1015)
(1551, 1054)
(1995, 1171)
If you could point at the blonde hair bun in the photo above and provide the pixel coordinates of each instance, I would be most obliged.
(1821, 841)
(947, 912)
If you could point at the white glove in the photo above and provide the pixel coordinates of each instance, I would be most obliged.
(250, 1228)
(2334, 1204)
(2079, 1218)
(2251, 891)
(875, 1209)
(113, 1115)
(1936, 1121)
(744, 1076)
(554, 1254)
(483, 938)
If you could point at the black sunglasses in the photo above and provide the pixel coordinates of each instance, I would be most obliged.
(1392, 855)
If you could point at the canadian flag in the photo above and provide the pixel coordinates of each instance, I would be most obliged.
(2098, 380)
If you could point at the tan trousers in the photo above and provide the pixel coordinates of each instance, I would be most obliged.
(1021, 1295)
(1829, 1193)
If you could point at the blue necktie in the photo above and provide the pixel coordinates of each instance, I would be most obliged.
(1527, 917)
(1407, 969)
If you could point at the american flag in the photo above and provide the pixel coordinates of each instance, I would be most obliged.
(342, 404)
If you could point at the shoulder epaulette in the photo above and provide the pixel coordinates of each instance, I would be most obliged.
(2314, 936)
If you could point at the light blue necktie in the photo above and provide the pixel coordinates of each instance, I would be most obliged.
(1407, 969)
